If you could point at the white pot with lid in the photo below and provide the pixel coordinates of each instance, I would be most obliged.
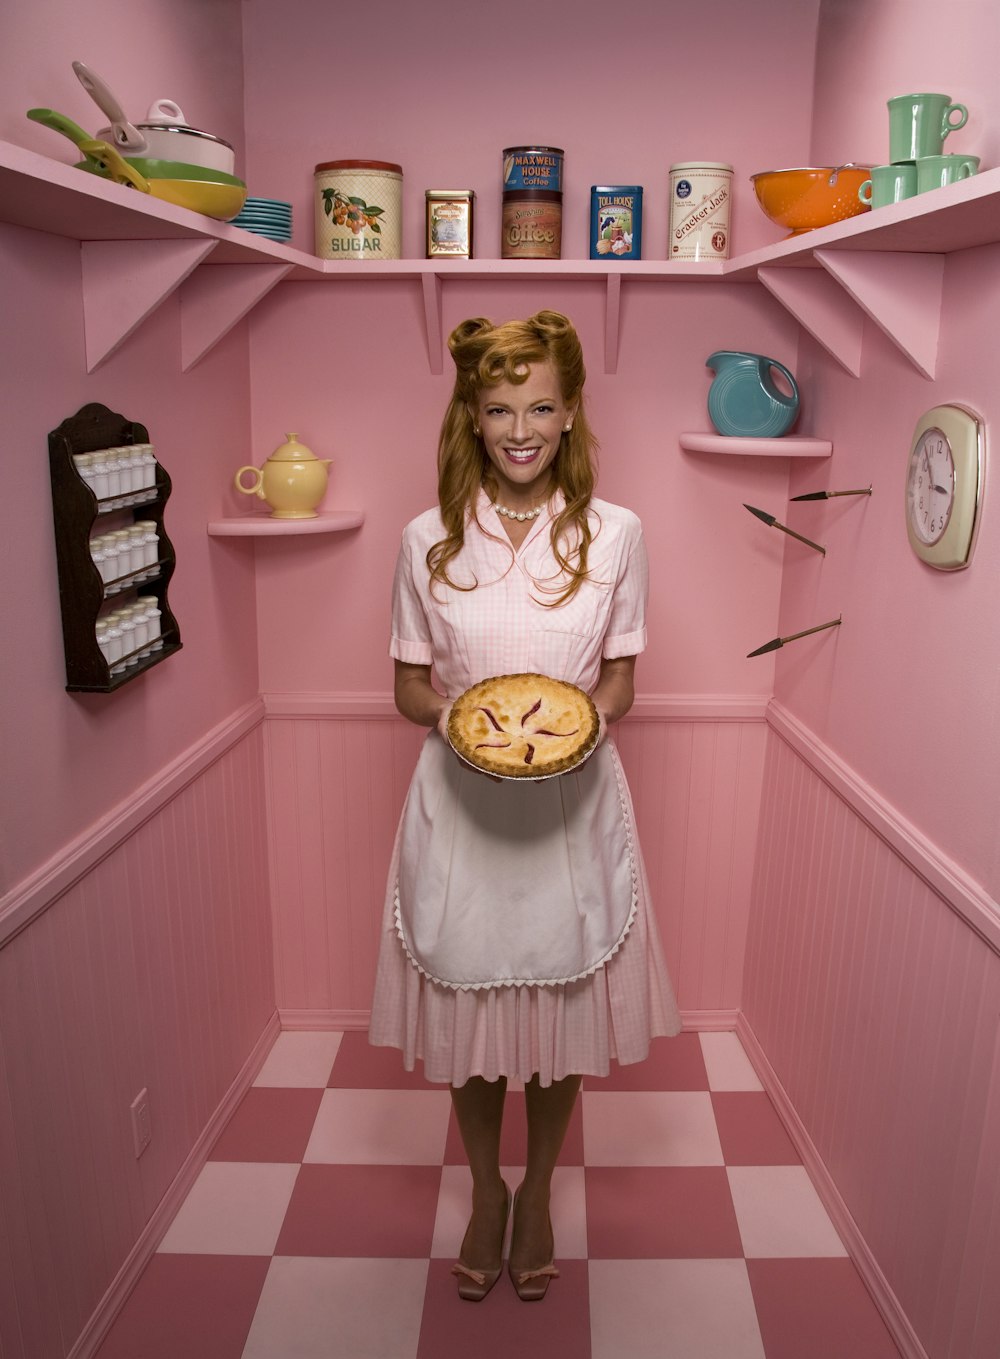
(168, 136)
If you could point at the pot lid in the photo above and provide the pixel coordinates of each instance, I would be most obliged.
(292, 451)
(187, 131)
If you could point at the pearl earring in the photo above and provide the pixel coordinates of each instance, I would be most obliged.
(567, 428)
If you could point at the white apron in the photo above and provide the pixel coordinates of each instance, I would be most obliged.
(514, 883)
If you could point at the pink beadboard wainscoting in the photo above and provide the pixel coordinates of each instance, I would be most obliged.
(870, 1006)
(140, 958)
(338, 768)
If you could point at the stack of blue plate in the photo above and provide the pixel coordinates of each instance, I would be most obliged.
(266, 217)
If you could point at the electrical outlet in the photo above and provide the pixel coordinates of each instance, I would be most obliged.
(142, 1128)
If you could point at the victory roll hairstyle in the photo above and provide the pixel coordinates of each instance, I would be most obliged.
(486, 355)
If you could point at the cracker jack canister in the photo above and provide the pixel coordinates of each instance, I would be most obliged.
(700, 200)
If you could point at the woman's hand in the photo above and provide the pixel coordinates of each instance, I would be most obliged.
(442, 722)
(602, 728)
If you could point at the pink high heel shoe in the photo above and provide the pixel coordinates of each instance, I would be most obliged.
(531, 1285)
(474, 1284)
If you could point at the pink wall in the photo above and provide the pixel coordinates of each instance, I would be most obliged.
(135, 946)
(872, 979)
(906, 691)
(873, 1006)
(879, 951)
(96, 749)
(696, 784)
(869, 50)
(153, 971)
(442, 92)
(324, 603)
(186, 50)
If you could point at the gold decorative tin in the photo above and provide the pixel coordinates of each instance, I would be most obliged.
(449, 223)
(359, 210)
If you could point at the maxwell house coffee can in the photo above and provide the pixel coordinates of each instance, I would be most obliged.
(532, 167)
(616, 221)
(531, 225)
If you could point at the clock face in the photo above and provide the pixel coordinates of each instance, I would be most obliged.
(944, 482)
(930, 490)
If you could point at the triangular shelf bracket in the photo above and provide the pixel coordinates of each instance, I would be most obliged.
(821, 307)
(125, 281)
(902, 294)
(213, 300)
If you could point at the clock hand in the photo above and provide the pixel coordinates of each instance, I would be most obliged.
(942, 490)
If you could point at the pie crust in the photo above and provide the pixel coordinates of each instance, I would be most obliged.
(523, 726)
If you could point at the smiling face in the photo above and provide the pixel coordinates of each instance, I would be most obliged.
(521, 425)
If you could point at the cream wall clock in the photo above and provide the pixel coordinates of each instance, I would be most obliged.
(944, 483)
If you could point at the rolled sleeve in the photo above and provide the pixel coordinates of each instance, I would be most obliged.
(626, 630)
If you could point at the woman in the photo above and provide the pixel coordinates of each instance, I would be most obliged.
(518, 939)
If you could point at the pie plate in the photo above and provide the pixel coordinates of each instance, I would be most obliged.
(526, 778)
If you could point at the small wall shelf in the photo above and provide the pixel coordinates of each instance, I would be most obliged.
(86, 597)
(694, 441)
(264, 526)
(886, 264)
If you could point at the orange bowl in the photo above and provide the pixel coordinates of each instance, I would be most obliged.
(812, 196)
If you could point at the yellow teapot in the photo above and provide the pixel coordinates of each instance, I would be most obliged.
(292, 480)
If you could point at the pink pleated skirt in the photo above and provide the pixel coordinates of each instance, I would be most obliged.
(576, 1028)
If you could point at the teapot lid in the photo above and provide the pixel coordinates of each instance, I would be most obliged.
(292, 451)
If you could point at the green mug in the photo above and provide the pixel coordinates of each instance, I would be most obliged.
(919, 123)
(934, 172)
(889, 184)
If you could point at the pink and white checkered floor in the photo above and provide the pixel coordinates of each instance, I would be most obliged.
(326, 1221)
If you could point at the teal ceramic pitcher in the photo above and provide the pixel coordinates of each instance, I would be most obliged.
(744, 399)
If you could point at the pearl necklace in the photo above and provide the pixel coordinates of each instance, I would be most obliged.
(520, 515)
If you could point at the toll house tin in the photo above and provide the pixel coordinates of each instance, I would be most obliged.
(616, 221)
(449, 223)
(359, 210)
(532, 167)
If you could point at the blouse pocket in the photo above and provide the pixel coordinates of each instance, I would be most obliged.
(583, 615)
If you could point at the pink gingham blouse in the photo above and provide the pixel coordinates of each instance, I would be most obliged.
(502, 626)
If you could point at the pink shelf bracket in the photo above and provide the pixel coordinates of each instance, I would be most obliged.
(612, 314)
(900, 292)
(431, 284)
(125, 281)
(214, 300)
(820, 306)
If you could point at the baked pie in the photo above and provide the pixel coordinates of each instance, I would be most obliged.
(523, 726)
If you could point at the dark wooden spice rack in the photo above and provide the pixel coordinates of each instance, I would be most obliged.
(76, 512)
